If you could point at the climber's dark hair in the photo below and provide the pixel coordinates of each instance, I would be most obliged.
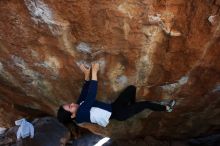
(64, 116)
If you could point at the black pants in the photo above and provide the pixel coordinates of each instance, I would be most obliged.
(125, 106)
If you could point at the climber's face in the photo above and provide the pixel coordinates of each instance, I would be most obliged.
(72, 107)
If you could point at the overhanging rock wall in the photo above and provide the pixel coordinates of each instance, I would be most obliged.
(167, 48)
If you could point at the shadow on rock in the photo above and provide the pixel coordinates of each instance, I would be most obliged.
(48, 132)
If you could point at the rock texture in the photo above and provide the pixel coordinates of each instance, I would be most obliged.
(48, 132)
(167, 48)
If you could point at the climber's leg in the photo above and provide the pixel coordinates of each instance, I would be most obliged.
(133, 109)
(126, 97)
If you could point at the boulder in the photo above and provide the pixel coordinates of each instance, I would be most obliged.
(48, 132)
(169, 49)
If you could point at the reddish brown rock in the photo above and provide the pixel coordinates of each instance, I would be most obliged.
(168, 49)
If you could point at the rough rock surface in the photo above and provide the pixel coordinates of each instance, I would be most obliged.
(167, 48)
(48, 132)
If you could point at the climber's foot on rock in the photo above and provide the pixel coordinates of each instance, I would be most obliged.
(170, 105)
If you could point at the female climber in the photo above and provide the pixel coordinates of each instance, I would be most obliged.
(88, 109)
